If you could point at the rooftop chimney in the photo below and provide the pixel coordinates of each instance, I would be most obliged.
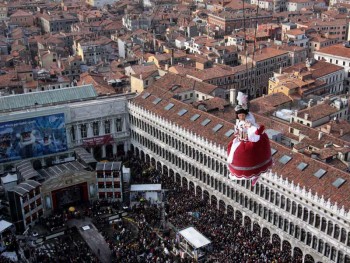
(320, 135)
(233, 95)
(172, 57)
(310, 103)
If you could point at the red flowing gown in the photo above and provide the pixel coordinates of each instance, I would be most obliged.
(250, 158)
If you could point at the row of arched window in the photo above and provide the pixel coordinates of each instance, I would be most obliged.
(280, 201)
(186, 149)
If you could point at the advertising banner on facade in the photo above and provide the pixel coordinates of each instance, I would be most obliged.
(99, 140)
(32, 137)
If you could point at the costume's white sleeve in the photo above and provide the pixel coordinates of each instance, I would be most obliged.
(250, 118)
(252, 137)
(235, 128)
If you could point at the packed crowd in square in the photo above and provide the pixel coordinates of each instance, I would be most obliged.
(137, 237)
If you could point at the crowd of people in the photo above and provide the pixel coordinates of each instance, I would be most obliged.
(71, 247)
(54, 221)
(140, 236)
(231, 241)
(143, 173)
(68, 248)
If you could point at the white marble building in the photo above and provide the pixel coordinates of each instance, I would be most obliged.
(338, 55)
(301, 203)
(99, 124)
(93, 119)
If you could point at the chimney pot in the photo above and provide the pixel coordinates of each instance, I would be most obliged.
(233, 96)
(320, 135)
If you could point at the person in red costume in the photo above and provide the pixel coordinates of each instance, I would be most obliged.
(249, 153)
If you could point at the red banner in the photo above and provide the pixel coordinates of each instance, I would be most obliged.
(99, 140)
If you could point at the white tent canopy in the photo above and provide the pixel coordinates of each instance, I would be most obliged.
(194, 238)
(4, 225)
(145, 187)
(9, 178)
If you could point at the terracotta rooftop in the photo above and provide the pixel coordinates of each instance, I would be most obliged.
(318, 68)
(269, 102)
(339, 128)
(140, 69)
(215, 103)
(268, 53)
(180, 70)
(307, 178)
(98, 82)
(304, 178)
(295, 32)
(317, 111)
(299, 1)
(146, 74)
(210, 73)
(336, 50)
(179, 84)
(315, 23)
(20, 13)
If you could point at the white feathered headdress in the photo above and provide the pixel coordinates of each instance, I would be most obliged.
(242, 100)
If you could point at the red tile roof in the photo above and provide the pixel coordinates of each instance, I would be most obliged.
(317, 112)
(289, 171)
(319, 68)
(336, 50)
(170, 80)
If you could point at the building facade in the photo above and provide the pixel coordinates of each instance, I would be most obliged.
(302, 203)
(99, 3)
(281, 206)
(66, 188)
(109, 180)
(297, 5)
(100, 125)
(228, 22)
(56, 22)
(266, 62)
(94, 51)
(338, 55)
(25, 200)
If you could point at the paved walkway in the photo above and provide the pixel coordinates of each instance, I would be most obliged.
(93, 238)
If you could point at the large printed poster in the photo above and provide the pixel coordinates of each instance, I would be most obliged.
(32, 137)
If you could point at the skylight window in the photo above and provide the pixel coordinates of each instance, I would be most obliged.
(169, 106)
(229, 133)
(182, 112)
(320, 173)
(146, 95)
(195, 117)
(173, 88)
(217, 127)
(302, 166)
(205, 122)
(273, 151)
(285, 159)
(156, 101)
(339, 182)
